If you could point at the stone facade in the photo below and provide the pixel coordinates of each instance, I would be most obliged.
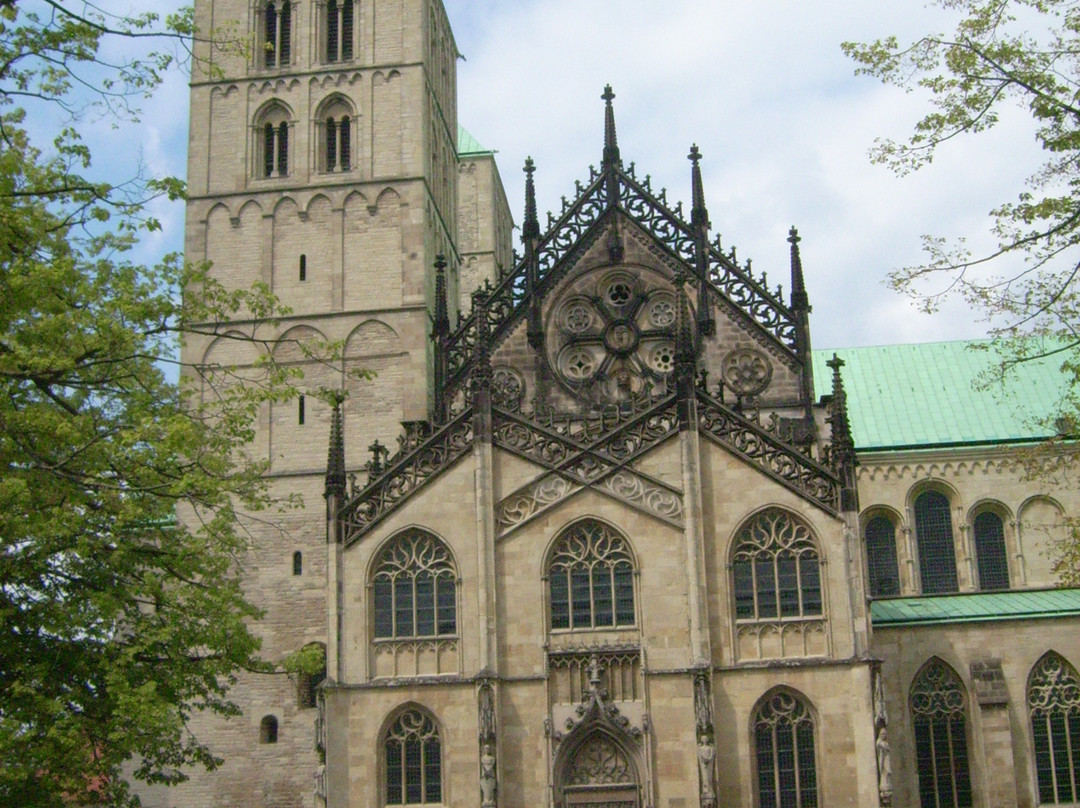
(618, 553)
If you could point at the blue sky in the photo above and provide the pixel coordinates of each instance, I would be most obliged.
(765, 92)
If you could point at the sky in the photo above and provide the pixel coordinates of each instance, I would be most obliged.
(762, 88)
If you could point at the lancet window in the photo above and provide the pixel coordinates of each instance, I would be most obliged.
(784, 750)
(881, 557)
(940, 723)
(776, 571)
(591, 578)
(272, 142)
(1054, 701)
(413, 760)
(990, 553)
(415, 588)
(336, 130)
(937, 553)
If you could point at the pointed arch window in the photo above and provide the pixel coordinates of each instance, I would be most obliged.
(591, 579)
(776, 570)
(934, 534)
(415, 588)
(990, 553)
(277, 33)
(940, 724)
(881, 557)
(412, 756)
(784, 750)
(1054, 701)
(339, 30)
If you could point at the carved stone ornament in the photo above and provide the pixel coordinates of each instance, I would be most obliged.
(488, 764)
(595, 708)
(611, 336)
(747, 372)
(507, 388)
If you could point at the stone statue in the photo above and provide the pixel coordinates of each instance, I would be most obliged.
(706, 754)
(487, 775)
(884, 766)
(701, 702)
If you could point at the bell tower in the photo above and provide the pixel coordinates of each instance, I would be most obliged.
(323, 164)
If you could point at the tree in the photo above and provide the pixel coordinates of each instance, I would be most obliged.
(1022, 54)
(118, 620)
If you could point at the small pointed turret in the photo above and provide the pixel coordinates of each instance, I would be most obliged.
(685, 356)
(530, 228)
(699, 221)
(335, 459)
(611, 143)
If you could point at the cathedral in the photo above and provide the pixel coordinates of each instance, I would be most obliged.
(603, 529)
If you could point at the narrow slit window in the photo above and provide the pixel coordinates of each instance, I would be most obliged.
(300, 411)
(297, 563)
(303, 267)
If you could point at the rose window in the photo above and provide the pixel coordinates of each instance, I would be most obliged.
(614, 336)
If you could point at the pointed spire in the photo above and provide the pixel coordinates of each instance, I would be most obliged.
(530, 235)
(335, 459)
(799, 299)
(699, 220)
(611, 143)
(530, 228)
(699, 216)
(843, 445)
(800, 306)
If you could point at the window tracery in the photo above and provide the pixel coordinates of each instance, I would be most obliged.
(599, 761)
(784, 749)
(414, 584)
(413, 760)
(940, 724)
(1054, 701)
(591, 579)
(776, 570)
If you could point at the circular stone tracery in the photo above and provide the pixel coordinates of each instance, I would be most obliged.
(613, 338)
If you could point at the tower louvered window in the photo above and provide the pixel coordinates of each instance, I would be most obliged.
(937, 553)
(784, 748)
(940, 724)
(277, 32)
(881, 557)
(275, 148)
(339, 30)
(990, 553)
(591, 579)
(1054, 701)
(338, 145)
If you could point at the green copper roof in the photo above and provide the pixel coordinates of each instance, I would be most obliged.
(923, 395)
(467, 144)
(975, 607)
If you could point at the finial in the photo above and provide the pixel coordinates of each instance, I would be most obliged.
(699, 216)
(335, 459)
(611, 144)
(530, 228)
